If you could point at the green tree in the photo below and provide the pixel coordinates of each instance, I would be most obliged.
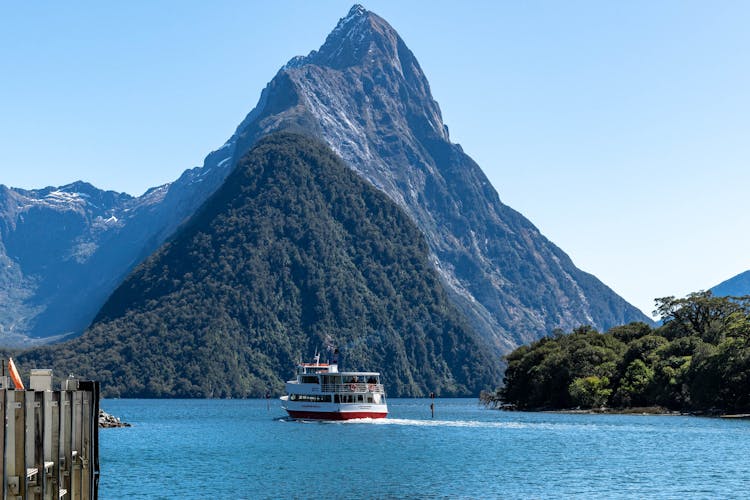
(630, 332)
(635, 384)
(701, 314)
(590, 392)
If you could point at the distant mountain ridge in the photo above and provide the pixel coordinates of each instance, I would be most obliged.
(44, 235)
(64, 249)
(293, 252)
(735, 286)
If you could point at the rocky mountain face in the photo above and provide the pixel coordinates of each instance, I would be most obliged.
(63, 250)
(294, 252)
(364, 93)
(736, 286)
(44, 236)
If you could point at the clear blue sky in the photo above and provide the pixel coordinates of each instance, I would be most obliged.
(621, 129)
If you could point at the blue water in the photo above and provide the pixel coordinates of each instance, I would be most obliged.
(233, 449)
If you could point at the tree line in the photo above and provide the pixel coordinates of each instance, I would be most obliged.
(697, 360)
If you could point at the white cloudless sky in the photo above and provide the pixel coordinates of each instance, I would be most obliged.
(620, 129)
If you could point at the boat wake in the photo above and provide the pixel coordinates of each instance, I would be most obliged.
(475, 424)
(436, 423)
(411, 422)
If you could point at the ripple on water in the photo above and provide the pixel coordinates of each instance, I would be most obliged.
(241, 449)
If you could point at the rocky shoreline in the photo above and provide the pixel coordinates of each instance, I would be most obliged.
(638, 410)
(107, 421)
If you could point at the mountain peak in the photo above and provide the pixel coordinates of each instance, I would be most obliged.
(356, 11)
(357, 16)
(359, 38)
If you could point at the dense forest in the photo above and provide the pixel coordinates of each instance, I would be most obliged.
(698, 360)
(294, 252)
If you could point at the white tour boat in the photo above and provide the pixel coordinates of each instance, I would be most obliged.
(321, 392)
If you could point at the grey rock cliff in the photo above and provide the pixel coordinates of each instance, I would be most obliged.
(365, 94)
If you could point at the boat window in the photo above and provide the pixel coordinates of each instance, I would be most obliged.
(309, 379)
(360, 398)
(369, 398)
(314, 398)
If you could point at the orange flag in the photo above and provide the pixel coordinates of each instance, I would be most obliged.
(17, 382)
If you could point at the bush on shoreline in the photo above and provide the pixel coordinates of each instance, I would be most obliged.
(697, 361)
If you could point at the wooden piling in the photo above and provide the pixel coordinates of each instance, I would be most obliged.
(50, 442)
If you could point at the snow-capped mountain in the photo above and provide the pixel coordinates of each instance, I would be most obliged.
(64, 249)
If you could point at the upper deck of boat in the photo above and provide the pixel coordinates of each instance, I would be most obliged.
(330, 369)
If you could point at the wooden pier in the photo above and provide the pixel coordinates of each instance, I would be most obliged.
(50, 440)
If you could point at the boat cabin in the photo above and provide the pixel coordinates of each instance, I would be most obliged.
(323, 383)
(321, 391)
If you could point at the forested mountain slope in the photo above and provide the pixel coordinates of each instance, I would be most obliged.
(294, 252)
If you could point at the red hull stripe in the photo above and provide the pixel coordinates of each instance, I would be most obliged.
(335, 415)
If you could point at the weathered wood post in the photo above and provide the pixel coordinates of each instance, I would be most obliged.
(52, 444)
(75, 444)
(49, 440)
(93, 388)
(34, 443)
(17, 460)
(66, 456)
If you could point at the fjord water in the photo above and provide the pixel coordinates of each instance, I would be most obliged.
(242, 449)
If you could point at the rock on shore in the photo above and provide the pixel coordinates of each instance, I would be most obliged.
(106, 420)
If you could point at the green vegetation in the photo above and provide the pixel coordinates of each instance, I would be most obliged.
(698, 360)
(294, 251)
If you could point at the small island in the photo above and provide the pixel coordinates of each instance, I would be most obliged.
(697, 362)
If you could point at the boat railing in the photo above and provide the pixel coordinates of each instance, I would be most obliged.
(353, 387)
